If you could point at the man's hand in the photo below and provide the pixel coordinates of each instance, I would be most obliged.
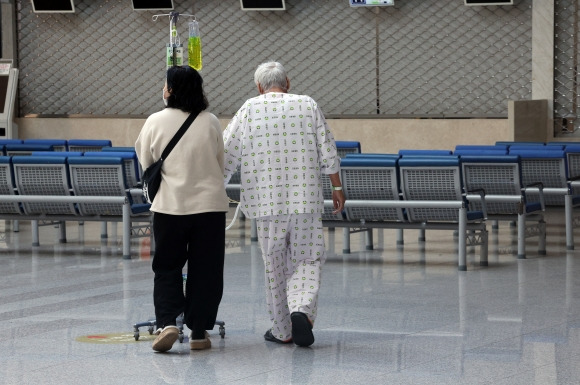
(338, 201)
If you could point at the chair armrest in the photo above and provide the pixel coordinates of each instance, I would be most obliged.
(539, 186)
(135, 195)
(481, 193)
(573, 183)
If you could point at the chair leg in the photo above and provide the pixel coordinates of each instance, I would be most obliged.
(569, 222)
(345, 240)
(34, 229)
(542, 238)
(254, 230)
(400, 237)
(521, 236)
(369, 239)
(104, 232)
(422, 237)
(126, 231)
(484, 249)
(462, 242)
(62, 232)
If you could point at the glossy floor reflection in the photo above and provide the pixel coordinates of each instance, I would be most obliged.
(386, 316)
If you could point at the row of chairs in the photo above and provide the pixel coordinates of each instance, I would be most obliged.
(518, 182)
(412, 192)
(60, 186)
(12, 147)
(129, 157)
(555, 166)
(534, 143)
(347, 149)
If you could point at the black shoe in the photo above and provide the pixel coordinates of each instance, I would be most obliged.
(301, 329)
(270, 337)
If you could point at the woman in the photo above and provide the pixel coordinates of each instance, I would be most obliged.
(189, 211)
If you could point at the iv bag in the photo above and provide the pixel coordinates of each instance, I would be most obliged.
(174, 55)
(194, 46)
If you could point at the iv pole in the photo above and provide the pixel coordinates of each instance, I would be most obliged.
(174, 48)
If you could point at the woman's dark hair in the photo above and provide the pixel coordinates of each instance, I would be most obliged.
(186, 89)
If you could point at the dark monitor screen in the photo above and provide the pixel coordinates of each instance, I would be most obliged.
(3, 91)
(489, 2)
(53, 6)
(263, 5)
(152, 5)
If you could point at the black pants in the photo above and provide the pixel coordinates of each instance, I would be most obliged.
(199, 240)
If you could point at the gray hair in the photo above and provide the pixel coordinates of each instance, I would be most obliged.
(270, 75)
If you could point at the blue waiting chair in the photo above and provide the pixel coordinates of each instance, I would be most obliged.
(84, 145)
(57, 144)
(505, 199)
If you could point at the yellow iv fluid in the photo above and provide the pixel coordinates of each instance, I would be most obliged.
(194, 52)
(194, 46)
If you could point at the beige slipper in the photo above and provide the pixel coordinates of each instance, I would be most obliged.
(166, 338)
(199, 344)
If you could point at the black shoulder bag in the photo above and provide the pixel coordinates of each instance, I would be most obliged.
(152, 176)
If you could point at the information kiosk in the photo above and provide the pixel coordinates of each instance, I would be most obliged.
(8, 84)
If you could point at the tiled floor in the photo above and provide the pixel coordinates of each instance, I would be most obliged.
(386, 316)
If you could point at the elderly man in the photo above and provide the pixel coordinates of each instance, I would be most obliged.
(283, 145)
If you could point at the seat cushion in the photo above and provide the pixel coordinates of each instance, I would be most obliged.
(140, 208)
(533, 207)
(474, 215)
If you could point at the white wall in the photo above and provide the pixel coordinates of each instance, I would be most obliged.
(375, 135)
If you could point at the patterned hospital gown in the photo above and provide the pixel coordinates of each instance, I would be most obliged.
(283, 145)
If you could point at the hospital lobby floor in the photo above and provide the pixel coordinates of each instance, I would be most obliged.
(390, 315)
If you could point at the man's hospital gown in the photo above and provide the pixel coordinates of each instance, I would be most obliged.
(283, 146)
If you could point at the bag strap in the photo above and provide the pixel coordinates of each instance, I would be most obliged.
(179, 134)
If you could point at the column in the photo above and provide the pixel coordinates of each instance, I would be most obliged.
(543, 57)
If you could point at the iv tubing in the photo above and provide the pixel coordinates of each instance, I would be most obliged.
(234, 219)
